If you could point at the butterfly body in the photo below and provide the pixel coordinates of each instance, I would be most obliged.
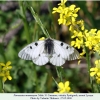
(49, 46)
(48, 50)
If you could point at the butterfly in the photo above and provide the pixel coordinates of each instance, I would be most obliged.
(48, 50)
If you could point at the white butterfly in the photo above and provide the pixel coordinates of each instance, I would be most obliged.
(48, 50)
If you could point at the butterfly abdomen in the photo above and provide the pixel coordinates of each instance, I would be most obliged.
(49, 46)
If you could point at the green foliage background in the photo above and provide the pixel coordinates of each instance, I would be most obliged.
(28, 77)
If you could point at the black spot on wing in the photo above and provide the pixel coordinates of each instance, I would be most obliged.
(62, 44)
(39, 54)
(59, 55)
(67, 47)
(30, 47)
(36, 44)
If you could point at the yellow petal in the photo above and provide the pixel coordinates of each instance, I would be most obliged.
(2, 64)
(81, 54)
(9, 77)
(7, 68)
(72, 43)
(7, 73)
(98, 74)
(96, 62)
(54, 10)
(61, 85)
(92, 69)
(82, 28)
(98, 81)
(42, 38)
(72, 7)
(79, 62)
(77, 9)
(63, 1)
(66, 84)
(92, 74)
(62, 91)
(68, 89)
(8, 63)
(2, 74)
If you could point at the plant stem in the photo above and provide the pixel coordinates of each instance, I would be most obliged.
(98, 86)
(26, 27)
(1, 85)
(37, 19)
(58, 73)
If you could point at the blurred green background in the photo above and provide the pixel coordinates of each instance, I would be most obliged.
(18, 28)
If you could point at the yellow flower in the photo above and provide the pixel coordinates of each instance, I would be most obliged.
(6, 76)
(92, 39)
(95, 72)
(62, 2)
(63, 87)
(77, 43)
(81, 24)
(6, 66)
(42, 38)
(4, 72)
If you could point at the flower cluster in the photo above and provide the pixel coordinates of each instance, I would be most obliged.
(95, 71)
(90, 39)
(4, 71)
(82, 37)
(63, 88)
(68, 15)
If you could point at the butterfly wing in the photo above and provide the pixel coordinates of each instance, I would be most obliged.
(63, 52)
(42, 59)
(34, 52)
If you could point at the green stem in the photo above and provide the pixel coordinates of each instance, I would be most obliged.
(37, 19)
(59, 73)
(1, 85)
(89, 65)
(55, 81)
(26, 27)
(2, 51)
(98, 86)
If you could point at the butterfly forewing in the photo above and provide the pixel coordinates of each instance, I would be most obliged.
(74, 55)
(32, 50)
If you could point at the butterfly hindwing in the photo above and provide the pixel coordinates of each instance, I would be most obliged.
(57, 60)
(42, 59)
